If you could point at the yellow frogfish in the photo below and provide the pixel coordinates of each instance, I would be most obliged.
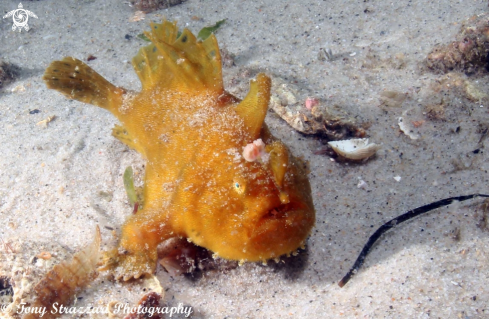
(197, 184)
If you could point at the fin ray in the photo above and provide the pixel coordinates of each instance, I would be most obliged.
(178, 60)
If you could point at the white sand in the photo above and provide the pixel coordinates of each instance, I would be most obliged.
(51, 178)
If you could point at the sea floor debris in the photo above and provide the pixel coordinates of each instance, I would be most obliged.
(468, 52)
(8, 72)
(355, 149)
(316, 120)
(148, 6)
(57, 287)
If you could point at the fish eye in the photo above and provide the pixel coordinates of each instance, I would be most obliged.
(239, 186)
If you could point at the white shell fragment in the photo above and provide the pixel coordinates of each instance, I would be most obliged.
(362, 184)
(354, 149)
(406, 129)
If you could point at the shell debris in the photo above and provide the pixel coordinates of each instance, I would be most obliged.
(138, 16)
(44, 123)
(44, 255)
(310, 117)
(355, 149)
(362, 184)
(406, 129)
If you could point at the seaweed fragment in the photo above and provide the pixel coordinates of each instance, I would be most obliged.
(396, 221)
(134, 194)
(129, 185)
(143, 36)
(205, 32)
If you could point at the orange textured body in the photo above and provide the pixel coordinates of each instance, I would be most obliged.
(192, 133)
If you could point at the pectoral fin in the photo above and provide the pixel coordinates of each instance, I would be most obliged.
(78, 81)
(121, 133)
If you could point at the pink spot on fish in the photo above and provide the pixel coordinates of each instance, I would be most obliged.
(255, 151)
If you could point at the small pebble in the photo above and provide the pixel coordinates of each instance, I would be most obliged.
(362, 184)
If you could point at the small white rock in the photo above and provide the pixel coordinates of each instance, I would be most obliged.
(362, 184)
(397, 178)
(18, 88)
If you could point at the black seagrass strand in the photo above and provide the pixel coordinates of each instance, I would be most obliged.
(396, 221)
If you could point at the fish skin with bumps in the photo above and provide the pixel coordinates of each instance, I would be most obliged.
(192, 132)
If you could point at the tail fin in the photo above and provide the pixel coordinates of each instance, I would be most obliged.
(78, 81)
(178, 60)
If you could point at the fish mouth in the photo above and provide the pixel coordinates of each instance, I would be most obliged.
(280, 211)
(286, 212)
(281, 230)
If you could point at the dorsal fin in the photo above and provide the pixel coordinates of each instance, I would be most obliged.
(253, 108)
(180, 61)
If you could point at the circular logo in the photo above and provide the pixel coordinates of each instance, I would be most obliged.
(20, 18)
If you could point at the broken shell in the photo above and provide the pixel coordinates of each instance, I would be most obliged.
(288, 101)
(44, 255)
(406, 129)
(138, 16)
(354, 149)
